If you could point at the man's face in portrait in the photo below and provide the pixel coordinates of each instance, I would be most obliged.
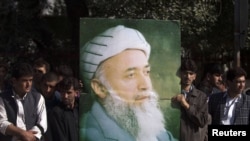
(125, 90)
(129, 76)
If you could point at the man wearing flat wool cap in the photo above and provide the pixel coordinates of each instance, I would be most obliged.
(114, 66)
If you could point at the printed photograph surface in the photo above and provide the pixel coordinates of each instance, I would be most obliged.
(129, 72)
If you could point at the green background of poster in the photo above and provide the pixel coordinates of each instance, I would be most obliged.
(164, 38)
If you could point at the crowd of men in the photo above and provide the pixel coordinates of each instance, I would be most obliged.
(117, 73)
(40, 104)
(219, 99)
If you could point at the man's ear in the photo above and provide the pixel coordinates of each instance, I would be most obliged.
(77, 93)
(208, 76)
(98, 88)
(13, 80)
(195, 76)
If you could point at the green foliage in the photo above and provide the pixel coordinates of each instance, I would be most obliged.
(202, 21)
(207, 26)
(24, 32)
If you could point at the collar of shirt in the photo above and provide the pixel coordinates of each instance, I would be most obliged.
(215, 90)
(187, 92)
(229, 109)
(16, 96)
(228, 98)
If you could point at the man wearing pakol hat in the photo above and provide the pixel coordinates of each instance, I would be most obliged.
(115, 66)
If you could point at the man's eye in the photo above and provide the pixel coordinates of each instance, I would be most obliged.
(148, 72)
(131, 75)
(191, 73)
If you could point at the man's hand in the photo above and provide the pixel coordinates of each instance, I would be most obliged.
(28, 136)
(21, 134)
(180, 98)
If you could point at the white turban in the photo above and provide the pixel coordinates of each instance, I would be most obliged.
(107, 44)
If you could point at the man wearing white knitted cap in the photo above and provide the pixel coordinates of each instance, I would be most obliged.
(115, 66)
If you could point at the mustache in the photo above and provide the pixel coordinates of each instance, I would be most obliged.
(146, 94)
(187, 79)
(150, 94)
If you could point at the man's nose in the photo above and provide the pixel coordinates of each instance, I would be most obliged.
(29, 83)
(64, 95)
(220, 78)
(48, 89)
(144, 82)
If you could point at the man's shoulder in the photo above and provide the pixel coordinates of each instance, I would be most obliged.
(199, 92)
(97, 116)
(59, 107)
(166, 136)
(35, 94)
(216, 97)
(34, 91)
(56, 111)
(96, 111)
(6, 93)
(99, 126)
(203, 85)
(246, 97)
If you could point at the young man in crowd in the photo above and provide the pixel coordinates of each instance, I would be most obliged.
(40, 67)
(213, 81)
(47, 88)
(63, 119)
(22, 111)
(231, 107)
(193, 105)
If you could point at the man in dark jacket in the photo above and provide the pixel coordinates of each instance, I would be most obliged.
(63, 119)
(213, 81)
(193, 105)
(231, 107)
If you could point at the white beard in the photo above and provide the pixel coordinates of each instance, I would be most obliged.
(143, 121)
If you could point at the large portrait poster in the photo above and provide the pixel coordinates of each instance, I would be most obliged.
(164, 60)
